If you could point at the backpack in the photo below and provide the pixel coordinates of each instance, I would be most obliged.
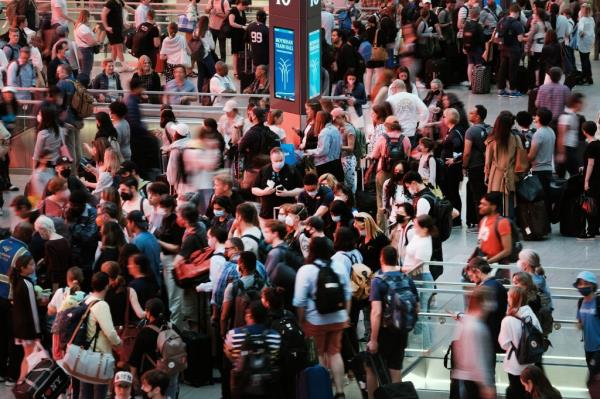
(14, 53)
(254, 371)
(544, 314)
(394, 152)
(329, 296)
(243, 297)
(72, 324)
(399, 304)
(293, 353)
(344, 20)
(82, 102)
(441, 212)
(517, 246)
(263, 247)
(506, 34)
(138, 39)
(440, 170)
(172, 351)
(469, 33)
(360, 144)
(360, 278)
(531, 346)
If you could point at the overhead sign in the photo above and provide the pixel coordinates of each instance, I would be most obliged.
(285, 76)
(314, 63)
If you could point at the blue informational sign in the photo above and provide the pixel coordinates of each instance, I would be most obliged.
(285, 76)
(314, 63)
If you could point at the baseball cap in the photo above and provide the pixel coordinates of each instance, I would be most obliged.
(123, 377)
(63, 161)
(182, 129)
(426, 1)
(230, 105)
(9, 89)
(586, 276)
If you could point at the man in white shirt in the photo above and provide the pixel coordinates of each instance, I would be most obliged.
(141, 13)
(221, 83)
(59, 13)
(132, 200)
(408, 109)
(327, 22)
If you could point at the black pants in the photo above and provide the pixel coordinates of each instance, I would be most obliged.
(534, 70)
(476, 189)
(218, 34)
(546, 178)
(509, 63)
(469, 390)
(10, 354)
(592, 220)
(450, 188)
(515, 389)
(586, 67)
(571, 163)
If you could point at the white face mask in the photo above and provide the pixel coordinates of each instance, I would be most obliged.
(219, 212)
(312, 193)
(281, 218)
(338, 198)
(335, 219)
(289, 220)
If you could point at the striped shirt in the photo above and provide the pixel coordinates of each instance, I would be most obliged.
(236, 338)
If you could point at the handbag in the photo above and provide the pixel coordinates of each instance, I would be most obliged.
(530, 188)
(128, 334)
(190, 274)
(378, 53)
(84, 363)
(588, 205)
(47, 380)
(36, 357)
(184, 24)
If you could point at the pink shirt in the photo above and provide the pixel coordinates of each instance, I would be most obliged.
(380, 148)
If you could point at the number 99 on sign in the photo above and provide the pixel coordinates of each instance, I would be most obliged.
(286, 3)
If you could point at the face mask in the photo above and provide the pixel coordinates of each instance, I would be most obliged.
(126, 196)
(585, 291)
(307, 233)
(338, 198)
(65, 173)
(278, 165)
(400, 219)
(219, 213)
(398, 176)
(281, 218)
(289, 220)
(436, 93)
(312, 193)
(336, 219)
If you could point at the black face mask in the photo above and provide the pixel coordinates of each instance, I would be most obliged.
(436, 93)
(65, 173)
(126, 196)
(307, 233)
(398, 176)
(400, 219)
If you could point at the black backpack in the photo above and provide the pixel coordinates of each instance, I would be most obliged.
(531, 346)
(399, 304)
(515, 233)
(243, 297)
(293, 353)
(394, 152)
(139, 38)
(469, 34)
(263, 247)
(441, 212)
(72, 324)
(505, 32)
(254, 370)
(329, 297)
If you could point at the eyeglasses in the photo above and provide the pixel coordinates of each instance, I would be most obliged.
(228, 248)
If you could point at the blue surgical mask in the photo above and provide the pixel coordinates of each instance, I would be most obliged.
(336, 219)
(278, 165)
(219, 212)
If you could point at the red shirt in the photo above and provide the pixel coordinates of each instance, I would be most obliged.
(490, 241)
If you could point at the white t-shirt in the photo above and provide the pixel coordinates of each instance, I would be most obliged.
(134, 205)
(84, 37)
(57, 7)
(418, 250)
(510, 332)
(250, 244)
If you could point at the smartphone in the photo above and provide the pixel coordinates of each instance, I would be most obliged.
(279, 188)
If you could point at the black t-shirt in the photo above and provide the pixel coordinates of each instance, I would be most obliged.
(493, 320)
(287, 177)
(257, 35)
(592, 151)
(146, 41)
(324, 197)
(145, 288)
(115, 15)
(372, 250)
(193, 241)
(145, 344)
(169, 231)
(433, 19)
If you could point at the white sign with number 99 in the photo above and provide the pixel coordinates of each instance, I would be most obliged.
(256, 37)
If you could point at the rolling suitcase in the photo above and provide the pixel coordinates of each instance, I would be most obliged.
(571, 216)
(199, 369)
(481, 80)
(437, 69)
(398, 390)
(533, 220)
(522, 80)
(314, 383)
(532, 96)
(47, 380)
(245, 69)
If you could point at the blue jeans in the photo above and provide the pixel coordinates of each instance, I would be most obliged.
(92, 391)
(424, 298)
(86, 59)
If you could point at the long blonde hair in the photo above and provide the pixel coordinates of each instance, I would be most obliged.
(112, 161)
(140, 65)
(370, 225)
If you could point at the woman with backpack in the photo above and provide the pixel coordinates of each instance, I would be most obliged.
(27, 329)
(427, 164)
(146, 352)
(510, 338)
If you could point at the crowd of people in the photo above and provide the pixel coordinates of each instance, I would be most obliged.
(242, 252)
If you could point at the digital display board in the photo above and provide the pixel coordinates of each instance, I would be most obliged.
(314, 63)
(285, 76)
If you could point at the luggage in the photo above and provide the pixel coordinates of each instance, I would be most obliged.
(571, 216)
(437, 69)
(557, 188)
(245, 69)
(399, 390)
(45, 381)
(573, 79)
(314, 383)
(530, 189)
(481, 80)
(532, 96)
(522, 80)
(199, 367)
(533, 220)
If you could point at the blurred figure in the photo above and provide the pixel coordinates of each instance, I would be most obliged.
(474, 374)
(537, 385)
(588, 321)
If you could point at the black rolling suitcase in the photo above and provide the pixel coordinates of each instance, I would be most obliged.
(437, 69)
(533, 220)
(522, 80)
(532, 96)
(245, 69)
(398, 390)
(571, 216)
(481, 80)
(199, 369)
(47, 380)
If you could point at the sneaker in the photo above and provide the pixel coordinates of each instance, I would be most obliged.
(515, 94)
(503, 93)
(13, 188)
(465, 83)
(473, 230)
(585, 237)
(9, 382)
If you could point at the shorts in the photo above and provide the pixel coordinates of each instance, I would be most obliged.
(328, 337)
(391, 347)
(116, 37)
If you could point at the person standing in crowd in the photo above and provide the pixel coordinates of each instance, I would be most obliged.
(257, 34)
(553, 95)
(541, 153)
(344, 56)
(349, 160)
(137, 226)
(21, 73)
(112, 21)
(586, 29)
(452, 154)
(510, 34)
(172, 50)
(86, 42)
(218, 11)
(567, 157)
(410, 111)
(149, 42)
(326, 328)
(591, 171)
(237, 22)
(371, 239)
(588, 320)
(58, 256)
(495, 236)
(329, 147)
(510, 338)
